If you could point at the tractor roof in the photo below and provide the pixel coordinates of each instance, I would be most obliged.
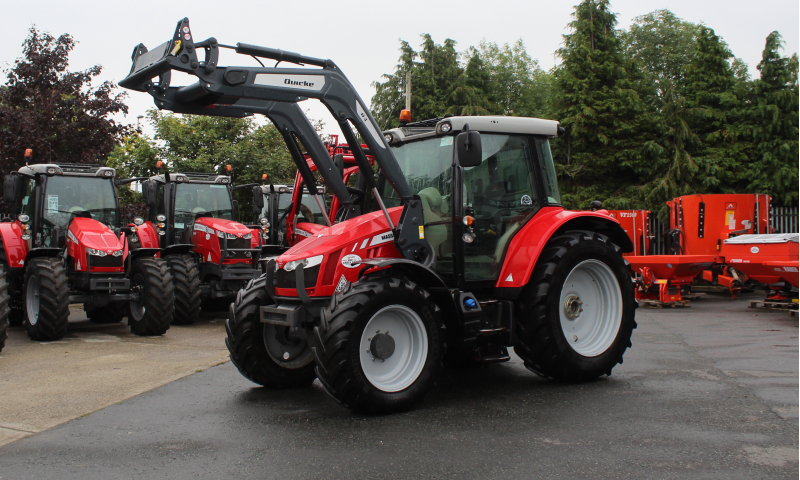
(483, 124)
(290, 189)
(69, 169)
(193, 177)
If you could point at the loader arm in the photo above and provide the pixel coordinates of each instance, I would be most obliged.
(219, 90)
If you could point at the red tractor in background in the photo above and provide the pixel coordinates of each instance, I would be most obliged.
(464, 249)
(66, 245)
(194, 221)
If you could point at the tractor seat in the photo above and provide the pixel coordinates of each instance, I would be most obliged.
(436, 234)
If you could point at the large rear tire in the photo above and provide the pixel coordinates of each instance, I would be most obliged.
(268, 355)
(379, 345)
(152, 313)
(577, 312)
(186, 277)
(46, 292)
(4, 310)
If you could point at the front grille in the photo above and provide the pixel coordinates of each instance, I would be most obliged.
(233, 243)
(286, 279)
(107, 261)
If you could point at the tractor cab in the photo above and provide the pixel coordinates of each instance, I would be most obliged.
(472, 211)
(272, 205)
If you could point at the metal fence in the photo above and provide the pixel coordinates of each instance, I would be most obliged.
(784, 220)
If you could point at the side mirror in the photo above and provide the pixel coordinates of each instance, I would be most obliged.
(149, 193)
(258, 200)
(12, 186)
(338, 160)
(468, 147)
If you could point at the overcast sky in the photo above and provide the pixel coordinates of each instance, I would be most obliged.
(360, 36)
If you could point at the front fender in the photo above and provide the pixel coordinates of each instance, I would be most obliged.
(178, 249)
(525, 247)
(14, 246)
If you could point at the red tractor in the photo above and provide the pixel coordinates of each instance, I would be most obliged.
(464, 250)
(192, 217)
(66, 245)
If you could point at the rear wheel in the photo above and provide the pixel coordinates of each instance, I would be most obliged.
(152, 312)
(380, 347)
(4, 310)
(269, 355)
(46, 294)
(577, 313)
(111, 313)
(186, 277)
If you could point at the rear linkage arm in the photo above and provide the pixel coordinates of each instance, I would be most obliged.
(219, 90)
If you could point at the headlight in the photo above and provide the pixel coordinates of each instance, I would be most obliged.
(24, 218)
(108, 173)
(247, 236)
(263, 221)
(445, 127)
(161, 218)
(230, 236)
(306, 262)
(51, 171)
(117, 253)
(220, 234)
(140, 220)
(99, 253)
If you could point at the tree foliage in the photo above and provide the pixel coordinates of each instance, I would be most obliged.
(53, 111)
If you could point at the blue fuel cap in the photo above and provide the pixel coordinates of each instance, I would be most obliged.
(470, 303)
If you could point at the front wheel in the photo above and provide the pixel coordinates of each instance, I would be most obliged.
(186, 276)
(150, 313)
(269, 355)
(4, 310)
(46, 291)
(380, 348)
(577, 312)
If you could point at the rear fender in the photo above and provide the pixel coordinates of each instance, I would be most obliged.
(14, 246)
(42, 252)
(144, 252)
(524, 249)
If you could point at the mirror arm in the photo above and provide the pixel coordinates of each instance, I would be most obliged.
(130, 180)
(237, 187)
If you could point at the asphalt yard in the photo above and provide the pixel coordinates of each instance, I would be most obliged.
(709, 391)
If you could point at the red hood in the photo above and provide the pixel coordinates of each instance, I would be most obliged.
(223, 225)
(93, 234)
(342, 234)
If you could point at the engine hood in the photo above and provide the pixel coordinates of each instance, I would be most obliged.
(328, 239)
(93, 234)
(223, 225)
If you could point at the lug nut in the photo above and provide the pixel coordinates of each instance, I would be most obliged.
(286, 355)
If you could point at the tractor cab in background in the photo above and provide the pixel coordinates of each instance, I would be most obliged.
(272, 204)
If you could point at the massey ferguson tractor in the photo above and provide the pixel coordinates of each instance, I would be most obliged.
(65, 245)
(272, 204)
(460, 250)
(191, 216)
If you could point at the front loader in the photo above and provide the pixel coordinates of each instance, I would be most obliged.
(462, 249)
(66, 245)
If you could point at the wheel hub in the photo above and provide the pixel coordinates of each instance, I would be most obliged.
(382, 346)
(573, 306)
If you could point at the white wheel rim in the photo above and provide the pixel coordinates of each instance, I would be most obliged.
(32, 300)
(403, 367)
(590, 308)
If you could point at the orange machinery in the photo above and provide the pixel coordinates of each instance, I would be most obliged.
(636, 225)
(766, 258)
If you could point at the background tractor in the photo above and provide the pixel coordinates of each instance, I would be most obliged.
(65, 245)
(192, 217)
(464, 249)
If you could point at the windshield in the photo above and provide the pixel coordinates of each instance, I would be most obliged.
(193, 199)
(67, 195)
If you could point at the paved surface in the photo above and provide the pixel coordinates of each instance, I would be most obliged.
(706, 392)
(46, 384)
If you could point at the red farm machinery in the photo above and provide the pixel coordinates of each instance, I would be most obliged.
(456, 250)
(65, 245)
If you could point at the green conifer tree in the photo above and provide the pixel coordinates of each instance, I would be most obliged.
(773, 168)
